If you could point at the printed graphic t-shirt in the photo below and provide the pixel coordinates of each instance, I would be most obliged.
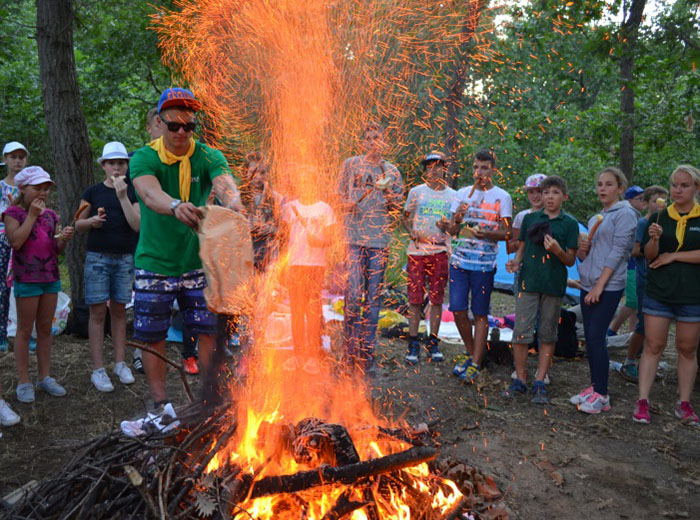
(37, 260)
(428, 207)
(370, 224)
(8, 193)
(486, 208)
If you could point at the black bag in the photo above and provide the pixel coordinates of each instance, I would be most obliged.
(567, 341)
(537, 232)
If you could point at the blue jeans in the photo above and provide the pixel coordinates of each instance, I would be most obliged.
(596, 320)
(365, 268)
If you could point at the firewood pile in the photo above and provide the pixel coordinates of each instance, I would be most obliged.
(164, 476)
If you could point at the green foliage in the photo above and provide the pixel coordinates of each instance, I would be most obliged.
(550, 100)
(543, 91)
(119, 73)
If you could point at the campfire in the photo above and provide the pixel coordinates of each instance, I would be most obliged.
(191, 474)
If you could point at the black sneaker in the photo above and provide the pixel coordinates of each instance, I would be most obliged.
(435, 354)
(138, 365)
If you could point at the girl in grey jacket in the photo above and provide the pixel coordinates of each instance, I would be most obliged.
(605, 253)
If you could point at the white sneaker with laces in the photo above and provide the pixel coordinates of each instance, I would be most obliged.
(7, 415)
(101, 380)
(581, 397)
(124, 374)
(595, 403)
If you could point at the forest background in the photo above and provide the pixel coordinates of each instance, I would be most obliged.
(553, 87)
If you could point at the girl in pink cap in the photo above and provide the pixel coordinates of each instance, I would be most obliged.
(32, 230)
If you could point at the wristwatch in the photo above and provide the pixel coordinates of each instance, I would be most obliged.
(174, 204)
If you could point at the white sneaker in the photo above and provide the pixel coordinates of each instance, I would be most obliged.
(595, 403)
(101, 380)
(7, 416)
(581, 397)
(124, 374)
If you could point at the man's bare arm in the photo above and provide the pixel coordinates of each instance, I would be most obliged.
(227, 192)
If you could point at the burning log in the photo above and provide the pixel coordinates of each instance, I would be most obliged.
(344, 506)
(317, 442)
(341, 475)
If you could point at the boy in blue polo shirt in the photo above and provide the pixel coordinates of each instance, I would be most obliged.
(548, 242)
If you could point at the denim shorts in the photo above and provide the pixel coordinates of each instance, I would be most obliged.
(108, 277)
(480, 284)
(29, 289)
(154, 295)
(674, 311)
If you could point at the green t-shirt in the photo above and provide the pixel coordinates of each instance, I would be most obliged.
(167, 246)
(541, 271)
(677, 282)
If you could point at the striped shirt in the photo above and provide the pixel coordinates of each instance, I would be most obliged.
(487, 209)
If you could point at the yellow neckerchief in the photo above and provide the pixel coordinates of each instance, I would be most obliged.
(167, 157)
(682, 221)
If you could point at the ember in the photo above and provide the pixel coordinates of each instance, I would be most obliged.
(295, 442)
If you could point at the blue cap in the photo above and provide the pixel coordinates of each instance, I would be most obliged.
(178, 97)
(633, 191)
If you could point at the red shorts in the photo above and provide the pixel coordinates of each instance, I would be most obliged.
(435, 267)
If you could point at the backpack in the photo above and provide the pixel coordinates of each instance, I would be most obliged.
(567, 341)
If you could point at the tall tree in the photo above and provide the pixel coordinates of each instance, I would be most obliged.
(65, 121)
(629, 31)
(455, 97)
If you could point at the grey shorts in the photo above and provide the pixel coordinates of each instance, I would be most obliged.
(527, 308)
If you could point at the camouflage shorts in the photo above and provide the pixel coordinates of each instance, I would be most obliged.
(154, 295)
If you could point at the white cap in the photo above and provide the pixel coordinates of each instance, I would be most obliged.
(13, 146)
(32, 176)
(113, 150)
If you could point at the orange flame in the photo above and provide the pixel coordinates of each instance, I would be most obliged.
(299, 78)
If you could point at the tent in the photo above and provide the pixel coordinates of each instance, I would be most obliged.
(504, 280)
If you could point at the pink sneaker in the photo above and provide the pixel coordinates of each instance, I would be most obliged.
(641, 412)
(581, 397)
(595, 403)
(684, 411)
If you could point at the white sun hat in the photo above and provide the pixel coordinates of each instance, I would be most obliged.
(113, 150)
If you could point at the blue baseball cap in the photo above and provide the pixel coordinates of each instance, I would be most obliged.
(178, 97)
(633, 191)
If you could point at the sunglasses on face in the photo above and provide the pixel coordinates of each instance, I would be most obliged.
(175, 127)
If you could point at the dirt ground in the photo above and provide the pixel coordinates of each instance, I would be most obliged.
(611, 467)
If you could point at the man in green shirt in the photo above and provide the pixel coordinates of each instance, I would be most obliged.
(173, 177)
(548, 242)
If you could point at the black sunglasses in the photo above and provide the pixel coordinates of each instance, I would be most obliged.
(175, 127)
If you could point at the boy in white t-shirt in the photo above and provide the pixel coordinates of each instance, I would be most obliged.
(481, 216)
(309, 226)
(426, 205)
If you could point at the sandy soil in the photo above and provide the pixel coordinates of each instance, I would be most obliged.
(552, 461)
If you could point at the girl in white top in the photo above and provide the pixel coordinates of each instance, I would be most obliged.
(309, 227)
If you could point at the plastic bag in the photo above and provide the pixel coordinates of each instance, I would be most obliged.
(60, 317)
(388, 319)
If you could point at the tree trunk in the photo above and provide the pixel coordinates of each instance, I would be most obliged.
(455, 97)
(628, 37)
(65, 121)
